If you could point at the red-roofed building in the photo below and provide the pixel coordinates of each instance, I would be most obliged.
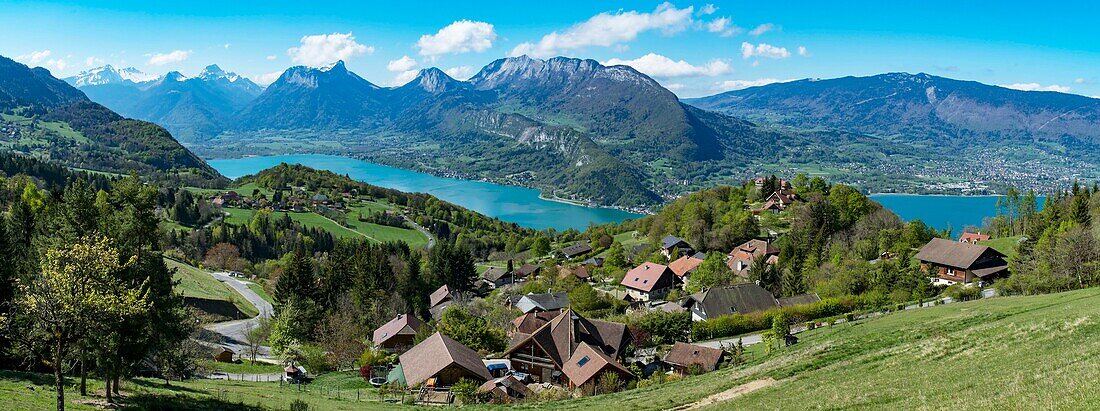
(398, 334)
(683, 267)
(973, 238)
(649, 281)
(743, 256)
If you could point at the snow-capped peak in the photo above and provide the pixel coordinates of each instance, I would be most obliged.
(110, 75)
(214, 72)
(337, 65)
(175, 76)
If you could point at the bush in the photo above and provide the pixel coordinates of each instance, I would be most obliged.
(960, 292)
(315, 359)
(737, 324)
(299, 405)
(465, 391)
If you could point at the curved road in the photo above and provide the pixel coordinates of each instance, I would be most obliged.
(233, 333)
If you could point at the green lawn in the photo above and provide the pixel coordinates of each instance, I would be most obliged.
(376, 232)
(1006, 245)
(194, 282)
(259, 289)
(245, 367)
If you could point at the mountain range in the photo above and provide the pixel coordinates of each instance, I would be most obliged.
(48, 118)
(613, 136)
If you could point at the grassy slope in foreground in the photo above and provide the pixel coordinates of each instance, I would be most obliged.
(1001, 353)
(197, 283)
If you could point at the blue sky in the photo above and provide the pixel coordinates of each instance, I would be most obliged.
(695, 49)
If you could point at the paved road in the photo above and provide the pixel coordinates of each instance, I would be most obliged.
(233, 332)
(422, 230)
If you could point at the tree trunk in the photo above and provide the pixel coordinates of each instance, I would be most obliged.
(83, 375)
(58, 378)
(116, 384)
(107, 387)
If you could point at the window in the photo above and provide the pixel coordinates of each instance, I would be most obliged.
(581, 362)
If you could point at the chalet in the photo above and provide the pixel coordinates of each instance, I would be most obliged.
(397, 335)
(498, 277)
(231, 197)
(542, 302)
(683, 356)
(556, 351)
(743, 256)
(576, 250)
(958, 262)
(588, 364)
(439, 362)
(973, 238)
(439, 300)
(225, 355)
(684, 266)
(649, 281)
(528, 270)
(780, 200)
(733, 299)
(580, 273)
(671, 245)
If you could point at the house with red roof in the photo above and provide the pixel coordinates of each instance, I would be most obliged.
(398, 334)
(649, 281)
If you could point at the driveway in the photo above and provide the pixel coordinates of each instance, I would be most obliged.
(233, 333)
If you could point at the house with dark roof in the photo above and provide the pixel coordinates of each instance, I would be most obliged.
(397, 335)
(743, 256)
(588, 364)
(580, 273)
(530, 322)
(670, 245)
(542, 302)
(683, 356)
(505, 389)
(780, 200)
(498, 277)
(733, 299)
(439, 300)
(958, 262)
(576, 250)
(649, 281)
(555, 352)
(528, 270)
(440, 362)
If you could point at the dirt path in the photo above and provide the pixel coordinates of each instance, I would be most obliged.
(729, 394)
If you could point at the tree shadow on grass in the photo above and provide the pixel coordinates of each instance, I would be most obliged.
(33, 378)
(159, 385)
(181, 402)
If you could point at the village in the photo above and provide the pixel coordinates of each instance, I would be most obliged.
(555, 351)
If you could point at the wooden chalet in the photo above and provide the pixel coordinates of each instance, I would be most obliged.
(554, 353)
(958, 262)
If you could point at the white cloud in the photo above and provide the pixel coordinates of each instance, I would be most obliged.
(657, 65)
(272, 57)
(460, 72)
(173, 56)
(802, 51)
(1079, 80)
(723, 26)
(608, 29)
(1037, 87)
(761, 29)
(405, 63)
(58, 64)
(764, 50)
(707, 9)
(35, 57)
(226, 45)
(93, 61)
(742, 84)
(404, 77)
(674, 86)
(322, 49)
(266, 78)
(462, 36)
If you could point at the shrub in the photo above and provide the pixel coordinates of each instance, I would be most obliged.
(315, 359)
(299, 405)
(737, 324)
(465, 391)
(960, 292)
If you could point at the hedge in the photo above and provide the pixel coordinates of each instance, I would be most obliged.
(737, 324)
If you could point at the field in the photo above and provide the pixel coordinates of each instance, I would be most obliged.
(1006, 245)
(194, 282)
(1038, 352)
(376, 232)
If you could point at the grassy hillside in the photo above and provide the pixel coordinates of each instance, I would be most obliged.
(1000, 353)
(1006, 245)
(194, 282)
(374, 232)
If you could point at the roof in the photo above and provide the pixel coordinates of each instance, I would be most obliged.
(972, 237)
(953, 253)
(684, 265)
(587, 362)
(644, 277)
(494, 273)
(596, 261)
(749, 250)
(560, 337)
(738, 298)
(527, 269)
(989, 271)
(671, 241)
(799, 300)
(548, 301)
(507, 382)
(577, 249)
(684, 355)
(403, 324)
(530, 322)
(435, 354)
(579, 272)
(440, 295)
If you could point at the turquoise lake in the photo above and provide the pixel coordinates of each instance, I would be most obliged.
(509, 203)
(957, 212)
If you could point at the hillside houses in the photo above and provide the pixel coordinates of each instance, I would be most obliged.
(738, 299)
(742, 257)
(440, 362)
(556, 352)
(953, 262)
(397, 335)
(649, 281)
(672, 245)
